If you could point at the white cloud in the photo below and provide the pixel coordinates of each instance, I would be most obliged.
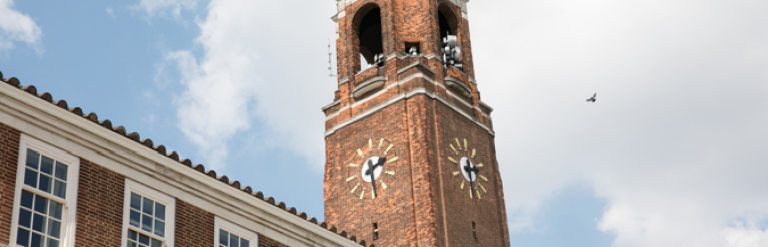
(675, 143)
(17, 27)
(745, 236)
(111, 12)
(262, 62)
(165, 8)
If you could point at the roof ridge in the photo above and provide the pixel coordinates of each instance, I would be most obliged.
(160, 149)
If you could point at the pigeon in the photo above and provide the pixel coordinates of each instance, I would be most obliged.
(593, 98)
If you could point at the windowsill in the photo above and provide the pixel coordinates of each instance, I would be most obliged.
(366, 86)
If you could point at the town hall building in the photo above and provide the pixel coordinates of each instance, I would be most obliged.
(410, 156)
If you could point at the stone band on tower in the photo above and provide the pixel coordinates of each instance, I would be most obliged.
(410, 152)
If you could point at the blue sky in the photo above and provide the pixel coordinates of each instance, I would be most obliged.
(110, 58)
(671, 154)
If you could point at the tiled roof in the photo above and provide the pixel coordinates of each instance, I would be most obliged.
(120, 130)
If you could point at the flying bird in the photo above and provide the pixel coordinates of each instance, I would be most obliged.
(593, 99)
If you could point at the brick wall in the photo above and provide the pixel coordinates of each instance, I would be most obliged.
(394, 208)
(268, 242)
(460, 211)
(99, 206)
(425, 206)
(194, 226)
(9, 158)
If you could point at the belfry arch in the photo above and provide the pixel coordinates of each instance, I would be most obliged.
(368, 38)
(447, 20)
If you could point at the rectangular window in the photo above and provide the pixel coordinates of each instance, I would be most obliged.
(45, 199)
(148, 218)
(231, 235)
(228, 239)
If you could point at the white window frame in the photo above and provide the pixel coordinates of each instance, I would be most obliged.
(68, 220)
(222, 224)
(144, 191)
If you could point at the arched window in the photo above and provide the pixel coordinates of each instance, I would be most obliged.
(447, 20)
(369, 40)
(449, 43)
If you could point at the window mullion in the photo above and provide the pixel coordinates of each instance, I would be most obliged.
(45, 194)
(149, 234)
(139, 230)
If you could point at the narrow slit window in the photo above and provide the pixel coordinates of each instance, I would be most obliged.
(375, 231)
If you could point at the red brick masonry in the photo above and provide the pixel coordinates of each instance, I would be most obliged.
(99, 206)
(194, 226)
(9, 158)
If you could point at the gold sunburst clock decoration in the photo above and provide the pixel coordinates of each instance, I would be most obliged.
(463, 159)
(371, 170)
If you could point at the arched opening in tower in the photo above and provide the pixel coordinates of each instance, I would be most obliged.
(449, 38)
(447, 20)
(369, 36)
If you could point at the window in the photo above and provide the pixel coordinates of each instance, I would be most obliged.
(368, 38)
(45, 199)
(412, 49)
(375, 231)
(148, 217)
(447, 21)
(231, 235)
(450, 45)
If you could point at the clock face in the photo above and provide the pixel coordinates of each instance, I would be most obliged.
(466, 163)
(372, 169)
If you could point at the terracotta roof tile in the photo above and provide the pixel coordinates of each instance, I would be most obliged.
(160, 149)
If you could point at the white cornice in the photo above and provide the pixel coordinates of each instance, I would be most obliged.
(342, 4)
(331, 105)
(414, 64)
(486, 105)
(400, 97)
(404, 80)
(368, 85)
(343, 80)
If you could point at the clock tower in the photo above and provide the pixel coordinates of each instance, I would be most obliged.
(410, 152)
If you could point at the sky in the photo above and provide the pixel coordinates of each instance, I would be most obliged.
(672, 153)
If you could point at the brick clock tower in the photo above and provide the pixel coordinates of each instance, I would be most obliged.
(410, 153)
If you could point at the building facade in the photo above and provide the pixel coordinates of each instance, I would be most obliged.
(410, 153)
(72, 179)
